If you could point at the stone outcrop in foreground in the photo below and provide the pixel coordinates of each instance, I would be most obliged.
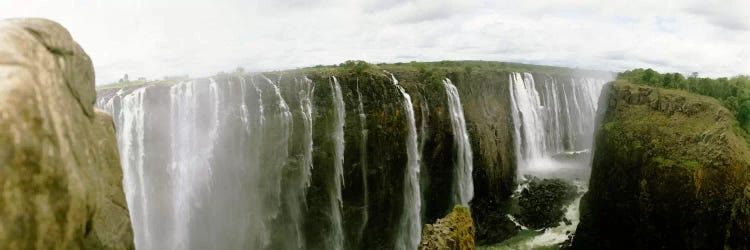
(60, 176)
(670, 171)
(455, 231)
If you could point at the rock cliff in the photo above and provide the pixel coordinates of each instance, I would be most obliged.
(59, 165)
(375, 147)
(670, 171)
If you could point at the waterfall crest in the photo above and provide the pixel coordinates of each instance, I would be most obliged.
(463, 184)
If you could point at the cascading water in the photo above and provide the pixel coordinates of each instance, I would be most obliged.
(132, 124)
(554, 129)
(553, 119)
(227, 163)
(338, 135)
(305, 96)
(363, 163)
(423, 132)
(195, 204)
(410, 229)
(463, 184)
(295, 198)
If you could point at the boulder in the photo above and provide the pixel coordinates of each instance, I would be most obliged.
(455, 231)
(59, 165)
(543, 201)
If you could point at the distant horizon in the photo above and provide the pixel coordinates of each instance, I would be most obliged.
(159, 38)
(377, 63)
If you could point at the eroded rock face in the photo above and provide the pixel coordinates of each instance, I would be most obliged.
(669, 171)
(59, 166)
(455, 231)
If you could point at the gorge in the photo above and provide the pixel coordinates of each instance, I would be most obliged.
(335, 158)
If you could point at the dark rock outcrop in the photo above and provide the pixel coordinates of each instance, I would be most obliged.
(670, 171)
(59, 165)
(542, 202)
(455, 231)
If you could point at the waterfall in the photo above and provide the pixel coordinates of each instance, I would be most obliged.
(363, 163)
(295, 201)
(305, 96)
(553, 120)
(338, 137)
(182, 104)
(423, 133)
(278, 145)
(203, 163)
(463, 185)
(227, 162)
(131, 144)
(410, 229)
(424, 127)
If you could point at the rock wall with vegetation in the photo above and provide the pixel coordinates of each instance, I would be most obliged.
(371, 212)
(455, 231)
(59, 165)
(484, 94)
(670, 170)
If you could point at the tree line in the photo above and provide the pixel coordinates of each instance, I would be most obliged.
(734, 92)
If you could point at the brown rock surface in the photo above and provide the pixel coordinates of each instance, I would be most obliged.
(60, 177)
(455, 231)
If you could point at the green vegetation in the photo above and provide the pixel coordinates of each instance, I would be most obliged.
(734, 93)
(669, 165)
(424, 72)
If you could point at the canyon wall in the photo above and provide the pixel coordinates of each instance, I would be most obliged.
(670, 170)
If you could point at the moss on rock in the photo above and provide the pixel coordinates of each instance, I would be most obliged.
(669, 170)
(455, 231)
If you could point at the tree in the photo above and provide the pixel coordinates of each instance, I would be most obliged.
(356, 66)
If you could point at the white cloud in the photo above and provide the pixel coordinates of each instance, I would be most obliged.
(162, 37)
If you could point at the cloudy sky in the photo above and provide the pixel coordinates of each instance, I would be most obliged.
(155, 38)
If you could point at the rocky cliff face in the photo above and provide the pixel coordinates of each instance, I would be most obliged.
(59, 165)
(373, 172)
(226, 112)
(670, 170)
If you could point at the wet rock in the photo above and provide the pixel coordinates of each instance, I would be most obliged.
(59, 167)
(543, 202)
